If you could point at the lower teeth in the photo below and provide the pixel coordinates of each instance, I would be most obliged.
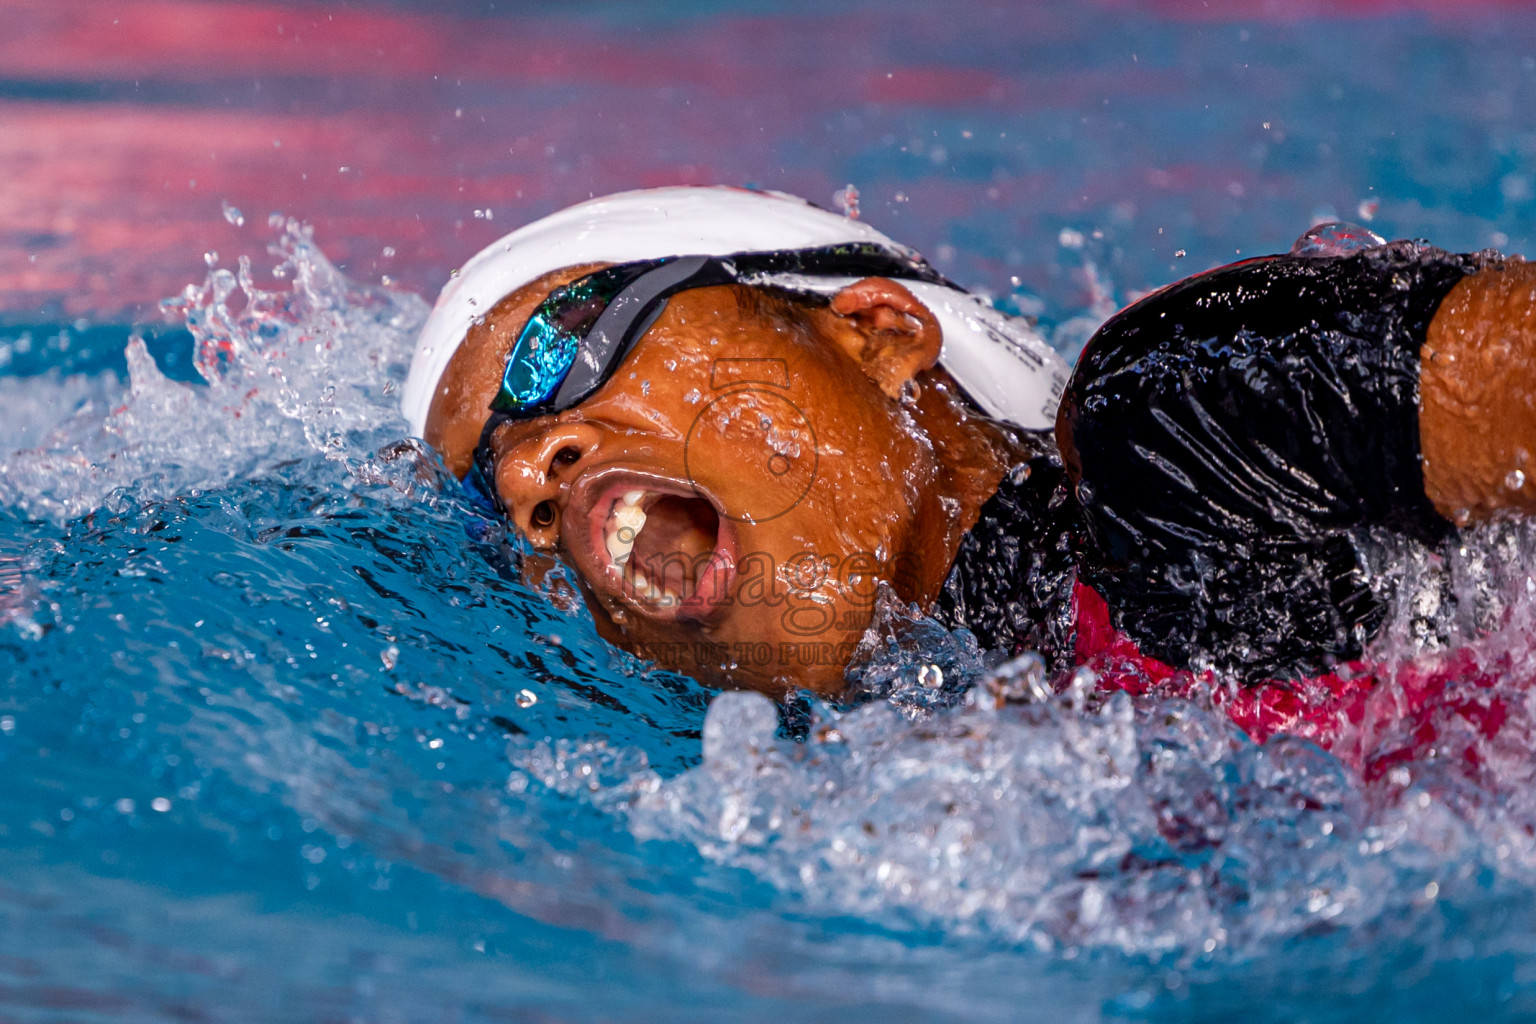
(648, 590)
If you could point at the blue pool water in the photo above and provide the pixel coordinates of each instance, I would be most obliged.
(285, 738)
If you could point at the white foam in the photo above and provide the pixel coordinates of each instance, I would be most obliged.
(1064, 819)
(289, 372)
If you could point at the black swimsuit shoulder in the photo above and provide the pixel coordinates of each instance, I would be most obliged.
(1227, 442)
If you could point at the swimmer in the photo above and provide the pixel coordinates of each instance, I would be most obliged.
(737, 417)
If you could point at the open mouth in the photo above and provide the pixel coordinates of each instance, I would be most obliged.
(663, 547)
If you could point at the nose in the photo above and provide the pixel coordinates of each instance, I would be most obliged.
(533, 477)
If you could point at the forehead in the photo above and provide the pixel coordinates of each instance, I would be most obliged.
(702, 319)
(701, 334)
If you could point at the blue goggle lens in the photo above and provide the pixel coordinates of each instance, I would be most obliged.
(545, 351)
(539, 362)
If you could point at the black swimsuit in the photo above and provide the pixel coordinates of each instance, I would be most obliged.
(1230, 443)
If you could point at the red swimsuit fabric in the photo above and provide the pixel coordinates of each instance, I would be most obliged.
(1371, 716)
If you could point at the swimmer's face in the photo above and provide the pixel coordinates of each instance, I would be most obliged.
(732, 497)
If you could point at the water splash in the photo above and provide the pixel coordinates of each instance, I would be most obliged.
(1150, 827)
(38, 406)
(288, 372)
(911, 661)
(1017, 809)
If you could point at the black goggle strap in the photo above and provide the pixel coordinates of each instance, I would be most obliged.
(632, 312)
(855, 259)
(480, 481)
(628, 316)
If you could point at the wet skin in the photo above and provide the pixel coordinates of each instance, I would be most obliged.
(1477, 382)
(732, 497)
(731, 520)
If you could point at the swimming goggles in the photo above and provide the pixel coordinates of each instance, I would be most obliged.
(576, 339)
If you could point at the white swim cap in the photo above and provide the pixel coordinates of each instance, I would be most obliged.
(1000, 361)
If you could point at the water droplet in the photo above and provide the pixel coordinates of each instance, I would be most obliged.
(847, 200)
(233, 214)
(1179, 254)
(1336, 238)
(526, 698)
(1515, 479)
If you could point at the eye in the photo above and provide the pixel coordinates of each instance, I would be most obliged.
(543, 515)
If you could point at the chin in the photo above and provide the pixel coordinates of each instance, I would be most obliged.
(728, 653)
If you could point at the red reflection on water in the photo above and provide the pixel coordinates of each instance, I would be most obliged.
(124, 123)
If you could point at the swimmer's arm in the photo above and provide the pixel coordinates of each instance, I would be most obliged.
(1477, 395)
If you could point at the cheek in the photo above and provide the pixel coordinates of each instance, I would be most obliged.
(755, 451)
(871, 480)
(830, 594)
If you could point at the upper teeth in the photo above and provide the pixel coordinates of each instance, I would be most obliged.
(628, 520)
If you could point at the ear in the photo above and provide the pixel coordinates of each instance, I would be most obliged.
(886, 330)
